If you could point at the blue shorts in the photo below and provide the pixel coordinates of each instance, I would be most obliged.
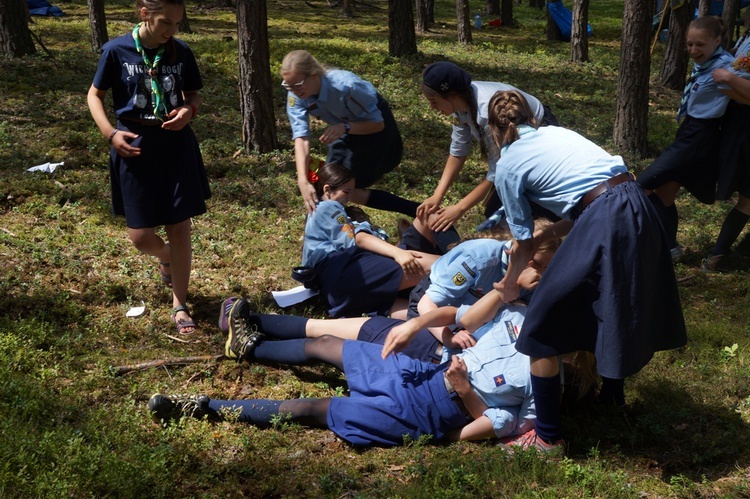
(423, 347)
(610, 289)
(391, 399)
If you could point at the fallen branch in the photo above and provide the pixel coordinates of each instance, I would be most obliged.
(179, 361)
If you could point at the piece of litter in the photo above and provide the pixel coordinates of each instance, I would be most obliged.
(46, 167)
(292, 296)
(136, 311)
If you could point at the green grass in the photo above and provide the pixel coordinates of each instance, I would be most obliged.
(68, 274)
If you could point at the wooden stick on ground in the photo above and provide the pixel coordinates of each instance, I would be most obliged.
(178, 361)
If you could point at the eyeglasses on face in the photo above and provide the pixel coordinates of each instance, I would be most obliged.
(294, 86)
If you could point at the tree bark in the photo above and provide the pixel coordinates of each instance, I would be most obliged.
(185, 24)
(402, 39)
(256, 97)
(506, 12)
(730, 14)
(492, 7)
(675, 63)
(15, 37)
(631, 113)
(554, 34)
(98, 25)
(703, 7)
(579, 39)
(463, 21)
(422, 16)
(430, 11)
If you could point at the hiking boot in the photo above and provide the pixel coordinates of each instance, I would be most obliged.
(712, 263)
(677, 252)
(226, 306)
(165, 408)
(530, 440)
(243, 332)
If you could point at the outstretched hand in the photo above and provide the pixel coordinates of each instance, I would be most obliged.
(398, 338)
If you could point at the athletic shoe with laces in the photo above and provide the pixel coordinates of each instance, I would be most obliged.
(243, 332)
(530, 440)
(226, 306)
(712, 264)
(677, 252)
(165, 408)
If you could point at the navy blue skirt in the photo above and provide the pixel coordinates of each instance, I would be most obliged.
(734, 153)
(423, 347)
(610, 289)
(356, 282)
(391, 399)
(165, 185)
(690, 160)
(369, 157)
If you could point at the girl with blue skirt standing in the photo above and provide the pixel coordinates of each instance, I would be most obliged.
(610, 288)
(156, 169)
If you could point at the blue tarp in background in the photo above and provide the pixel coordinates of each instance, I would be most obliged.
(43, 8)
(563, 17)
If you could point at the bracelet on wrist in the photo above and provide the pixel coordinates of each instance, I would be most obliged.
(112, 135)
(347, 127)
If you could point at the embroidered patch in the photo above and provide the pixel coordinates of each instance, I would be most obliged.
(512, 331)
(459, 279)
(291, 102)
(341, 219)
(468, 269)
(499, 380)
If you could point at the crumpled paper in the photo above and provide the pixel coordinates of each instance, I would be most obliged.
(46, 167)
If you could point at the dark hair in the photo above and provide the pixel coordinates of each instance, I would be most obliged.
(154, 7)
(715, 26)
(333, 175)
(506, 111)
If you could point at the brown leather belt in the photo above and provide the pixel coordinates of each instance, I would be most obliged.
(140, 121)
(600, 189)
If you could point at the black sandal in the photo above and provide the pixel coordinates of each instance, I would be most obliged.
(183, 324)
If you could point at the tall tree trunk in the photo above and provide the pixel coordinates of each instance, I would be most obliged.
(98, 25)
(539, 4)
(463, 21)
(631, 113)
(430, 11)
(402, 40)
(579, 39)
(256, 96)
(185, 24)
(492, 7)
(15, 37)
(730, 14)
(675, 63)
(506, 12)
(421, 10)
(703, 7)
(554, 34)
(346, 6)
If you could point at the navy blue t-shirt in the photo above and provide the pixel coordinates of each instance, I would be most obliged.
(121, 69)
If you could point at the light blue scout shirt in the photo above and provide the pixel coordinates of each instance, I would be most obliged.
(343, 97)
(553, 167)
(464, 130)
(706, 101)
(328, 229)
(500, 374)
(741, 49)
(467, 272)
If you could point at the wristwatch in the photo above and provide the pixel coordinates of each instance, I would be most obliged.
(347, 127)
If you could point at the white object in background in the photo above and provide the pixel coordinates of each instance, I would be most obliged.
(292, 296)
(46, 167)
(136, 311)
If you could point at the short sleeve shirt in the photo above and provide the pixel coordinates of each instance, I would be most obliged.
(328, 229)
(706, 99)
(121, 69)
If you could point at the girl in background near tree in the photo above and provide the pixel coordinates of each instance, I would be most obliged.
(610, 288)
(362, 134)
(734, 153)
(156, 168)
(450, 91)
(690, 161)
(357, 271)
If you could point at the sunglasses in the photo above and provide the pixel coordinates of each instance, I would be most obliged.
(295, 86)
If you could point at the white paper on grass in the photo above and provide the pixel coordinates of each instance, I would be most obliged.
(292, 296)
(136, 311)
(46, 167)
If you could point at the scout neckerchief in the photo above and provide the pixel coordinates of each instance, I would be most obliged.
(697, 71)
(152, 68)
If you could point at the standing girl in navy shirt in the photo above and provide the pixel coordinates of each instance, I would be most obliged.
(610, 288)
(362, 134)
(156, 168)
(690, 160)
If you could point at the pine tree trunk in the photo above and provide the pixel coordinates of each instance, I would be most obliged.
(631, 113)
(730, 14)
(703, 7)
(421, 10)
(430, 11)
(256, 96)
(98, 25)
(506, 13)
(15, 37)
(185, 24)
(675, 63)
(492, 7)
(402, 39)
(463, 21)
(579, 40)
(554, 34)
